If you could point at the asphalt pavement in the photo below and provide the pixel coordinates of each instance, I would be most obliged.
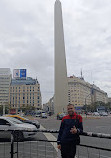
(32, 148)
(90, 124)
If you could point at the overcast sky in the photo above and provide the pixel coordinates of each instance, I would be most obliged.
(27, 40)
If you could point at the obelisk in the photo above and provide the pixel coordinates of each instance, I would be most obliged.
(61, 82)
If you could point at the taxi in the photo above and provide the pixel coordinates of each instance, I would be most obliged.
(25, 120)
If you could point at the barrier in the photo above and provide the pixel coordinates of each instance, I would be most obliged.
(47, 149)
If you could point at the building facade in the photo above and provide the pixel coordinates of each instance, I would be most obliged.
(82, 93)
(5, 80)
(49, 106)
(25, 93)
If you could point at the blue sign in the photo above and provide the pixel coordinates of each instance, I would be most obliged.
(22, 73)
(78, 108)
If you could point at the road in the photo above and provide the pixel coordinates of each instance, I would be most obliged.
(31, 149)
(94, 124)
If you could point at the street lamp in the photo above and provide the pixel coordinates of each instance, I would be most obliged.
(92, 92)
(85, 103)
(3, 107)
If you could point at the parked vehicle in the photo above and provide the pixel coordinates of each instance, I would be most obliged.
(43, 115)
(96, 114)
(9, 123)
(38, 114)
(89, 113)
(25, 120)
(60, 116)
(103, 114)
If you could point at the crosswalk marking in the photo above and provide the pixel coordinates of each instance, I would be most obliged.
(50, 137)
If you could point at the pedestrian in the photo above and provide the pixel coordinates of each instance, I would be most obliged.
(68, 138)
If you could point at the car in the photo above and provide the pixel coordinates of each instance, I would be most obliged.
(38, 114)
(89, 113)
(25, 120)
(9, 123)
(43, 115)
(60, 116)
(103, 114)
(96, 114)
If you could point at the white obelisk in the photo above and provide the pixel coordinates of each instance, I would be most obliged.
(61, 82)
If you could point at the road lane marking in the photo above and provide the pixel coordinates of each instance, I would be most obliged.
(50, 137)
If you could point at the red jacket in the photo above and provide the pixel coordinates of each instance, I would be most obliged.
(65, 136)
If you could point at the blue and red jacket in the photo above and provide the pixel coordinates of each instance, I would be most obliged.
(65, 136)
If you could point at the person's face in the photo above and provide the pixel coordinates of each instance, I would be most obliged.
(70, 110)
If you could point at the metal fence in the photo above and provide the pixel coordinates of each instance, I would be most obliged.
(48, 149)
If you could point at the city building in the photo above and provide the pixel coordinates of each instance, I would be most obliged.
(5, 80)
(109, 99)
(82, 93)
(25, 93)
(49, 106)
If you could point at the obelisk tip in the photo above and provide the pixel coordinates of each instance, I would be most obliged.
(57, 1)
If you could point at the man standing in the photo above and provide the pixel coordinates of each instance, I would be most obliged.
(68, 138)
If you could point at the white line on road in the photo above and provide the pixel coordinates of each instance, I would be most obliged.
(50, 137)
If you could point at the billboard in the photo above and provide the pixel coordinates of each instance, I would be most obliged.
(19, 73)
(22, 73)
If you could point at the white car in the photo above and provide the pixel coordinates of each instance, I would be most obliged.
(104, 114)
(43, 115)
(96, 114)
(9, 123)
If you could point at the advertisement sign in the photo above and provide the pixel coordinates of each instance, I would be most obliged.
(19, 73)
(16, 73)
(78, 109)
(22, 73)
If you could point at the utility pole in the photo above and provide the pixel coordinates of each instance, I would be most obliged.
(92, 92)
(3, 108)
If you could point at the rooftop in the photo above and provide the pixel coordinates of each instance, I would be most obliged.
(28, 81)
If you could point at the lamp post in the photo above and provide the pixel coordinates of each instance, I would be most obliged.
(92, 92)
(3, 107)
(85, 103)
